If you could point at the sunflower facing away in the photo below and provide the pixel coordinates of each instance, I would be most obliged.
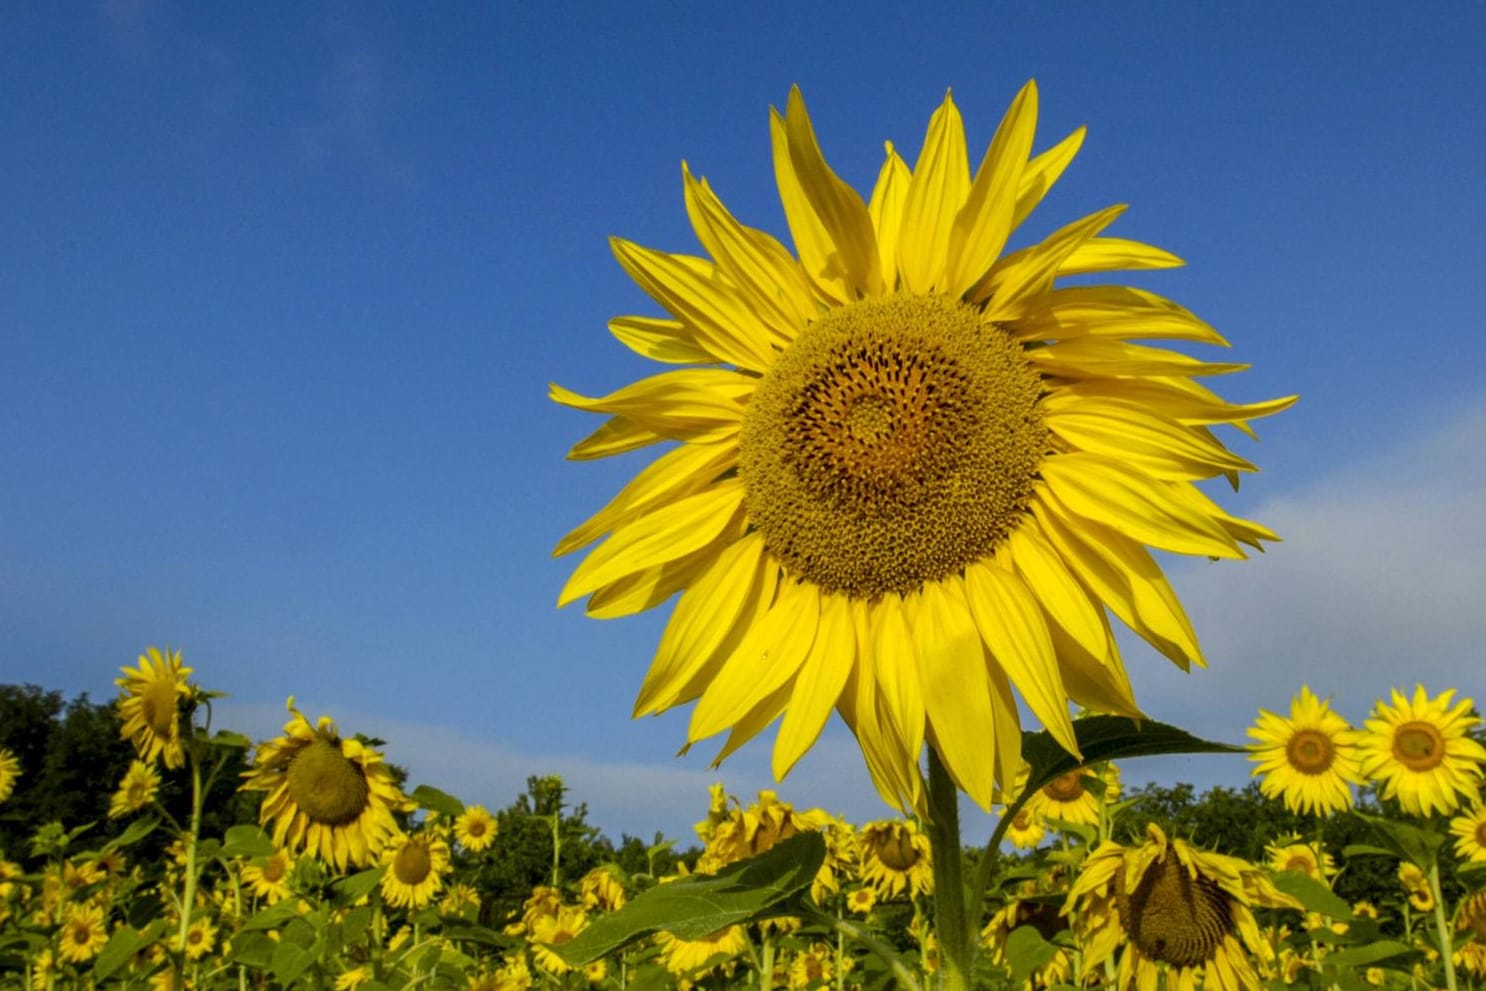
(1172, 907)
(1419, 752)
(1310, 759)
(911, 472)
(150, 705)
(328, 795)
(10, 770)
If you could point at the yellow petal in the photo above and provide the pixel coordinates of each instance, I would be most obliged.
(886, 210)
(676, 474)
(985, 222)
(1041, 172)
(768, 657)
(709, 619)
(1065, 601)
(1083, 357)
(839, 208)
(715, 313)
(1129, 433)
(696, 404)
(1012, 625)
(1020, 279)
(616, 436)
(649, 588)
(941, 181)
(754, 722)
(813, 242)
(1109, 254)
(818, 684)
(668, 533)
(758, 263)
(659, 340)
(1111, 311)
(1100, 488)
(895, 670)
(956, 687)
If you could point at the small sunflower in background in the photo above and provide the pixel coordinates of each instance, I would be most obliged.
(151, 703)
(328, 795)
(1309, 759)
(1469, 831)
(861, 900)
(475, 828)
(268, 877)
(1026, 829)
(1418, 751)
(140, 785)
(416, 865)
(10, 771)
(1041, 915)
(1074, 797)
(201, 938)
(83, 933)
(1470, 918)
(460, 900)
(1172, 907)
(1290, 854)
(600, 889)
(896, 858)
(914, 475)
(555, 929)
(689, 957)
(1416, 885)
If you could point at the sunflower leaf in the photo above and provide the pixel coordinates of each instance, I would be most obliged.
(1314, 895)
(433, 800)
(246, 841)
(1026, 950)
(1366, 956)
(1418, 846)
(760, 887)
(1102, 738)
(121, 947)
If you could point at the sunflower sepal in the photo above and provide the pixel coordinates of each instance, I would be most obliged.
(772, 884)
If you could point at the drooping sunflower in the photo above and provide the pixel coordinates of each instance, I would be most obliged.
(1469, 831)
(1172, 906)
(150, 705)
(416, 864)
(1470, 917)
(1041, 915)
(1310, 759)
(328, 795)
(896, 858)
(10, 771)
(269, 879)
(601, 889)
(140, 785)
(83, 933)
(1419, 752)
(475, 828)
(912, 472)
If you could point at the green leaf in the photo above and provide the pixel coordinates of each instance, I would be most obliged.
(1314, 895)
(227, 738)
(1418, 846)
(479, 934)
(1365, 850)
(358, 885)
(253, 949)
(246, 841)
(273, 916)
(1026, 951)
(1102, 738)
(289, 962)
(133, 833)
(434, 800)
(124, 943)
(757, 888)
(1365, 956)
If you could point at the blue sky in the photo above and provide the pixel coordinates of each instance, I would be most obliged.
(284, 285)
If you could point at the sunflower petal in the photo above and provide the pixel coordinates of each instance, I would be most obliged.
(941, 181)
(818, 684)
(886, 210)
(1111, 311)
(1129, 433)
(1024, 276)
(1041, 172)
(1109, 254)
(894, 670)
(1082, 357)
(983, 224)
(658, 339)
(956, 686)
(617, 435)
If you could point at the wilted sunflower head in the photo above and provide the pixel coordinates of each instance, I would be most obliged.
(899, 439)
(154, 698)
(328, 795)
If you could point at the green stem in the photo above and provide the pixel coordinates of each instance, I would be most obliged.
(766, 970)
(883, 951)
(188, 896)
(1442, 929)
(956, 940)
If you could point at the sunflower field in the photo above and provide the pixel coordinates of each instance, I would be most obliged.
(339, 876)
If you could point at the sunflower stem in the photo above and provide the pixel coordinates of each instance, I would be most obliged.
(956, 947)
(883, 951)
(1442, 929)
(188, 895)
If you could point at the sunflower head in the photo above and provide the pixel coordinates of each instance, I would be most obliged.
(140, 785)
(10, 771)
(1419, 751)
(475, 828)
(415, 868)
(1309, 759)
(896, 858)
(155, 698)
(326, 794)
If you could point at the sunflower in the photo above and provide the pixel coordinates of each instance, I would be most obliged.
(1416, 884)
(1290, 854)
(552, 930)
(416, 866)
(10, 770)
(1419, 752)
(460, 900)
(689, 956)
(1074, 797)
(1173, 906)
(150, 705)
(331, 796)
(350, 980)
(1469, 831)
(896, 858)
(812, 968)
(475, 828)
(1046, 919)
(601, 889)
(1470, 917)
(83, 933)
(137, 789)
(201, 938)
(1026, 829)
(862, 900)
(912, 473)
(1310, 759)
(269, 879)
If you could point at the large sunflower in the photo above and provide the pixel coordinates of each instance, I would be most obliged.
(150, 705)
(1418, 751)
(326, 794)
(1172, 907)
(1309, 759)
(912, 472)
